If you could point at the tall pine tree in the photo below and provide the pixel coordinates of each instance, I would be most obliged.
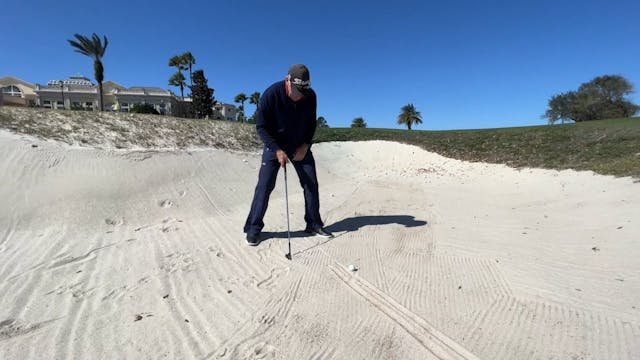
(201, 95)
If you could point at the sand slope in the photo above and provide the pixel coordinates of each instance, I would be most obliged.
(140, 254)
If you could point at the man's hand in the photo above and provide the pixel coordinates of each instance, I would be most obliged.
(282, 157)
(301, 152)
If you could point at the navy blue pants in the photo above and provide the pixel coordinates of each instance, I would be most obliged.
(306, 170)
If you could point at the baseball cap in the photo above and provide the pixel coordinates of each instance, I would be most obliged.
(300, 84)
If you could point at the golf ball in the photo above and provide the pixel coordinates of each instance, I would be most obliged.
(352, 267)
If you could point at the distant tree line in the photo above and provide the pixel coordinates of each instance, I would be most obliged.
(203, 101)
(604, 97)
(598, 99)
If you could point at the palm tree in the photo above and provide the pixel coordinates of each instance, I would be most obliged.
(93, 48)
(241, 98)
(255, 99)
(178, 80)
(358, 123)
(409, 116)
(188, 61)
(177, 62)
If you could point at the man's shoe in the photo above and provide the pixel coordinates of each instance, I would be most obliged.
(253, 240)
(319, 232)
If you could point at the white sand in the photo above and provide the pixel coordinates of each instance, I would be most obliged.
(118, 254)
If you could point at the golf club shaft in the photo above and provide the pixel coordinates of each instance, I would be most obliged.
(286, 200)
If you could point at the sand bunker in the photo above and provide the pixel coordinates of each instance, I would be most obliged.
(140, 254)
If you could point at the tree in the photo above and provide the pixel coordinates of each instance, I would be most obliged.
(559, 108)
(605, 96)
(409, 116)
(255, 99)
(182, 109)
(240, 99)
(177, 61)
(202, 96)
(144, 109)
(95, 49)
(601, 98)
(188, 61)
(178, 80)
(358, 123)
(322, 123)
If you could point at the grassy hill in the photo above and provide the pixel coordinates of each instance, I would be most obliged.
(607, 147)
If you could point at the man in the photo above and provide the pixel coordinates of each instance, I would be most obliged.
(286, 124)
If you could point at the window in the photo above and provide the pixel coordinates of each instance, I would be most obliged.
(46, 104)
(12, 90)
(59, 105)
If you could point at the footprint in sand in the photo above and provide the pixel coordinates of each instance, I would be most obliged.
(114, 221)
(165, 204)
(178, 261)
(168, 229)
(138, 317)
(216, 251)
(261, 351)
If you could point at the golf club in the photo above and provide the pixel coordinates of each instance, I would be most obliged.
(286, 200)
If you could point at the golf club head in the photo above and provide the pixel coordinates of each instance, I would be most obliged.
(288, 256)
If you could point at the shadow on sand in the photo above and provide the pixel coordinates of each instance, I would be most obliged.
(356, 222)
(347, 225)
(352, 224)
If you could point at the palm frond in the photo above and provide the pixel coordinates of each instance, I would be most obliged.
(93, 47)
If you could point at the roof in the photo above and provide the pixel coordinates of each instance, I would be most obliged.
(10, 80)
(110, 85)
(140, 90)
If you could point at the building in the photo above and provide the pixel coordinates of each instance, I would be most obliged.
(16, 92)
(76, 93)
(124, 99)
(227, 111)
(79, 93)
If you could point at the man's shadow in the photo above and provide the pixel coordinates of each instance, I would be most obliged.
(353, 224)
(357, 222)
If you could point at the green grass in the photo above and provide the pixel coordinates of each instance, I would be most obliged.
(609, 147)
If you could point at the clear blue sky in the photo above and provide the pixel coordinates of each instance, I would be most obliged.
(463, 64)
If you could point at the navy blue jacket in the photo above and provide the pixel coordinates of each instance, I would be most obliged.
(283, 123)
